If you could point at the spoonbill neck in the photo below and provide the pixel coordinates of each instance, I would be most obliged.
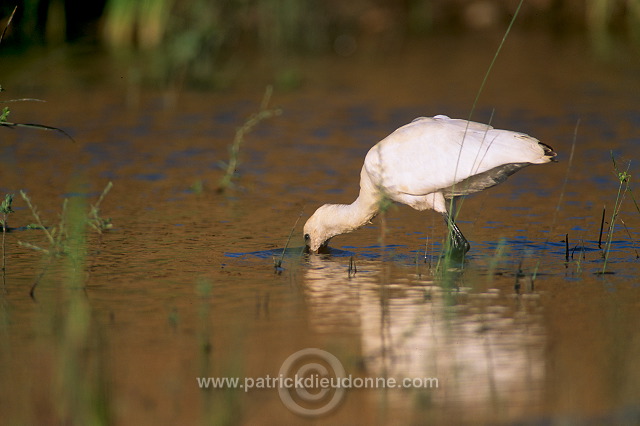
(349, 217)
(335, 219)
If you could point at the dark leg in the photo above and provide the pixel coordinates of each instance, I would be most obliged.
(459, 244)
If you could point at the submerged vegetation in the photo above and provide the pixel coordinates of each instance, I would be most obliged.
(5, 210)
(234, 149)
(66, 238)
(94, 219)
(624, 188)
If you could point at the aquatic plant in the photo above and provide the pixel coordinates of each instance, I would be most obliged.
(5, 210)
(55, 234)
(5, 123)
(95, 221)
(604, 212)
(58, 241)
(4, 115)
(234, 149)
(277, 262)
(55, 238)
(623, 178)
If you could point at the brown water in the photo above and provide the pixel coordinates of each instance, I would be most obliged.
(183, 286)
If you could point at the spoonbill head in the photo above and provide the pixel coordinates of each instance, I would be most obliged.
(423, 164)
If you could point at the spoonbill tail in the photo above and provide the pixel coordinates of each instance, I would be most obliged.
(423, 164)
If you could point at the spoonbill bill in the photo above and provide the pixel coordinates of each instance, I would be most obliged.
(423, 164)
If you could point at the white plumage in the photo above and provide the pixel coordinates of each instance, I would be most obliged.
(425, 163)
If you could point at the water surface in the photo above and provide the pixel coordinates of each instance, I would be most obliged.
(184, 285)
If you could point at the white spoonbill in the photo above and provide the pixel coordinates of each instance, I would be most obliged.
(423, 164)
